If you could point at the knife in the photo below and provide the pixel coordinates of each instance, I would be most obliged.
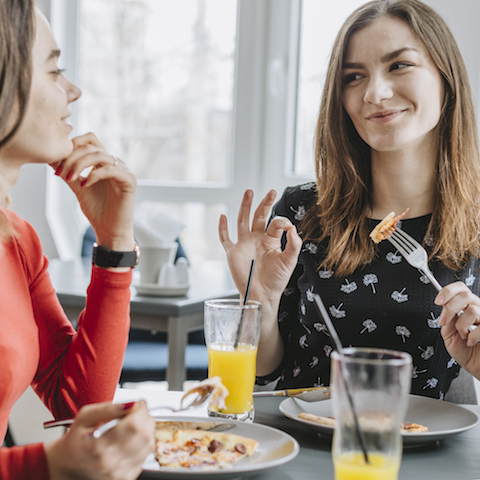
(312, 394)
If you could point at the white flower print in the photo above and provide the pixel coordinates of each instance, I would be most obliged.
(303, 309)
(300, 213)
(428, 241)
(296, 370)
(305, 327)
(400, 297)
(441, 396)
(423, 278)
(394, 258)
(325, 274)
(309, 294)
(303, 341)
(311, 248)
(349, 287)
(328, 350)
(337, 312)
(369, 325)
(427, 352)
(321, 327)
(314, 362)
(403, 331)
(451, 363)
(370, 279)
(431, 383)
(469, 281)
(415, 372)
(433, 322)
(308, 186)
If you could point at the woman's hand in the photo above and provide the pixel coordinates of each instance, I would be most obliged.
(106, 195)
(459, 334)
(117, 455)
(273, 268)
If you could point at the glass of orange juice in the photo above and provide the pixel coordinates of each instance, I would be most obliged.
(233, 358)
(378, 383)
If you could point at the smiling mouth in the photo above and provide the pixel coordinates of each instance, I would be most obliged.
(385, 116)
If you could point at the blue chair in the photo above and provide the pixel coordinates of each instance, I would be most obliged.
(146, 356)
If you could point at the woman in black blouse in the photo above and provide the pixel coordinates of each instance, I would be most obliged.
(396, 130)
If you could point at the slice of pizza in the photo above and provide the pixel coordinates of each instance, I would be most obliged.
(386, 227)
(330, 421)
(200, 450)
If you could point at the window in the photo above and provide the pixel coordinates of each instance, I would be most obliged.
(159, 91)
(202, 98)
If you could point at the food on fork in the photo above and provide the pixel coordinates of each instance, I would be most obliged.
(219, 391)
(386, 227)
(330, 421)
(200, 450)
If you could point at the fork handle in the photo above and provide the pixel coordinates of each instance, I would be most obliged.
(432, 279)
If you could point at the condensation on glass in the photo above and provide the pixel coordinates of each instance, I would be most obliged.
(157, 80)
(320, 24)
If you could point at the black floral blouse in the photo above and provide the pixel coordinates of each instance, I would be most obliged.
(389, 304)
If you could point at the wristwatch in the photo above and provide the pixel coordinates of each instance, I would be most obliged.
(104, 257)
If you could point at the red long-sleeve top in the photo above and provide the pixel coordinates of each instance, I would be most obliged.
(39, 346)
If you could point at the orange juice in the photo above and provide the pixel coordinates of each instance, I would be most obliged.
(352, 466)
(236, 368)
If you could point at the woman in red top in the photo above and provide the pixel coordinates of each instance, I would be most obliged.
(38, 346)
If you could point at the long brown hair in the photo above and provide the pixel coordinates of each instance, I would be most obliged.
(17, 32)
(343, 169)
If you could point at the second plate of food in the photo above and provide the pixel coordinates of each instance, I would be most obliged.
(441, 418)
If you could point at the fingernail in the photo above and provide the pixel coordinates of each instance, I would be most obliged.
(83, 182)
(58, 171)
(439, 300)
(441, 319)
(128, 406)
(70, 174)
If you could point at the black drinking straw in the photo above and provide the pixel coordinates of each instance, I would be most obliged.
(323, 312)
(245, 300)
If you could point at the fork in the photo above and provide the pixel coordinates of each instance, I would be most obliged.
(200, 399)
(417, 257)
(413, 253)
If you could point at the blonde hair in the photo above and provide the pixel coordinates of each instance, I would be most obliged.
(342, 158)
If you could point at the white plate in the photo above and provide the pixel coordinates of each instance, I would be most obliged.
(152, 289)
(274, 448)
(441, 418)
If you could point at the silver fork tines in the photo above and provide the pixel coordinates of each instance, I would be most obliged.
(413, 253)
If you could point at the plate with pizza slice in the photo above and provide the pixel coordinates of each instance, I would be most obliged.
(426, 420)
(210, 448)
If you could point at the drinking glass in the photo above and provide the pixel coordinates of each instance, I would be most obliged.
(378, 383)
(235, 365)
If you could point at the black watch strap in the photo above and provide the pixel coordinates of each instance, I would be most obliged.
(104, 257)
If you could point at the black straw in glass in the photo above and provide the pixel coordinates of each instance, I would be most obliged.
(245, 301)
(323, 313)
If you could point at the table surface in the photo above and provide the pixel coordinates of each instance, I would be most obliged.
(211, 280)
(456, 457)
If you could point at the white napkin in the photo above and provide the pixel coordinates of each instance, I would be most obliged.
(154, 229)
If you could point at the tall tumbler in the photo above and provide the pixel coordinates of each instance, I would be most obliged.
(378, 383)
